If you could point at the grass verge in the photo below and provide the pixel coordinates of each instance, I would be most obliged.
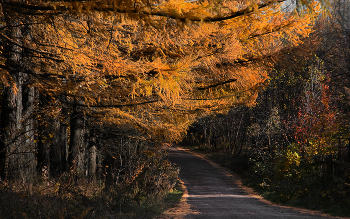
(174, 196)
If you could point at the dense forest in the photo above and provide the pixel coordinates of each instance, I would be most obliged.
(91, 92)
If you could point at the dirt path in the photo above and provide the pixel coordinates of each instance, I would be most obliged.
(213, 192)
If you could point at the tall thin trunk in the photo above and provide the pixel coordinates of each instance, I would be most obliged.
(77, 146)
(63, 143)
(29, 145)
(55, 149)
(92, 157)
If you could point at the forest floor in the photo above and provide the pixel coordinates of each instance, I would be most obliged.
(212, 191)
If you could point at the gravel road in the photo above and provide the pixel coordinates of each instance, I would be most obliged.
(215, 193)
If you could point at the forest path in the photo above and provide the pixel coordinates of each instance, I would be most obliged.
(213, 192)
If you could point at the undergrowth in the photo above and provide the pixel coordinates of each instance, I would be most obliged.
(145, 197)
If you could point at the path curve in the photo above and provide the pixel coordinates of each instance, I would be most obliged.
(213, 192)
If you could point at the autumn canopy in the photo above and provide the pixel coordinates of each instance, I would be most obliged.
(152, 65)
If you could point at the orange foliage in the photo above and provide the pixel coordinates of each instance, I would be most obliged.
(160, 65)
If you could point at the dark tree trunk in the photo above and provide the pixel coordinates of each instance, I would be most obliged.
(59, 145)
(11, 130)
(53, 141)
(17, 149)
(92, 157)
(29, 144)
(77, 146)
(63, 142)
(55, 148)
(44, 129)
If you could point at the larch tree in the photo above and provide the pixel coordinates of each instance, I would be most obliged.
(156, 66)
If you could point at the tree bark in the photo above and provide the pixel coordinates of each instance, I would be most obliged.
(16, 145)
(11, 130)
(77, 146)
(63, 143)
(55, 148)
(30, 147)
(92, 157)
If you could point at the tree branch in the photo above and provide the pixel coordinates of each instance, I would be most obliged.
(44, 54)
(113, 105)
(62, 9)
(216, 85)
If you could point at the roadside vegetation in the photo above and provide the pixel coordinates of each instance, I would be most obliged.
(70, 197)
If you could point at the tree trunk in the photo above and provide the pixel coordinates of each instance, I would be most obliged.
(44, 129)
(63, 143)
(55, 148)
(92, 157)
(59, 145)
(29, 145)
(53, 141)
(11, 130)
(17, 151)
(78, 142)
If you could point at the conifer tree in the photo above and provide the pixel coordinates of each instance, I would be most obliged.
(156, 66)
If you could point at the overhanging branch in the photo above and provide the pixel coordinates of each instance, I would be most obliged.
(111, 8)
(216, 85)
(113, 105)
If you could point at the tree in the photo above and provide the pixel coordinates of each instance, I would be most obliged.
(316, 123)
(154, 66)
